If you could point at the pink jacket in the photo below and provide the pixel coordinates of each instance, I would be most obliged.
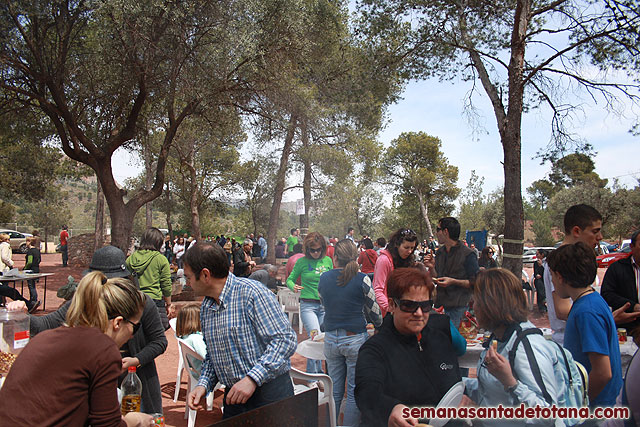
(384, 266)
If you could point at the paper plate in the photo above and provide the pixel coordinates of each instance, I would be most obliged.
(450, 400)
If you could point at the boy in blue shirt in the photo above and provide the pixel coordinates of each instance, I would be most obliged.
(590, 334)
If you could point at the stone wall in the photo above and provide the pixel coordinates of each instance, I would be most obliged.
(81, 249)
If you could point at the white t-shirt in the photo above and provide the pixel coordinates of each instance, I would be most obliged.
(556, 324)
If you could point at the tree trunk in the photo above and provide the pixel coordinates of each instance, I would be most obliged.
(511, 144)
(193, 199)
(99, 228)
(148, 174)
(274, 217)
(121, 224)
(424, 211)
(306, 183)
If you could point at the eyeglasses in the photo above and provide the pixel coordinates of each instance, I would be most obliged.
(407, 232)
(136, 326)
(410, 306)
(315, 251)
(438, 229)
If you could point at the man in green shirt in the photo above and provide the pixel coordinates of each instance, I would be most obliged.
(291, 242)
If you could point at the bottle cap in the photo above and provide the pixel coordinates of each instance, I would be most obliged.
(132, 369)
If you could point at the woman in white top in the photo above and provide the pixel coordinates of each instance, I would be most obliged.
(178, 250)
(6, 263)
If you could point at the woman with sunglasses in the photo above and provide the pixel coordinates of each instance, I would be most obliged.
(397, 254)
(69, 375)
(345, 294)
(486, 259)
(411, 361)
(309, 268)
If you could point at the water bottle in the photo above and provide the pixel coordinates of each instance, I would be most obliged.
(131, 392)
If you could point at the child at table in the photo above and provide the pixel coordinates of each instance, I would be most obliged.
(188, 329)
(32, 262)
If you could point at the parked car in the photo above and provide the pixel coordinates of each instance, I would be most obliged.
(17, 240)
(608, 259)
(625, 244)
(602, 249)
(529, 254)
(611, 247)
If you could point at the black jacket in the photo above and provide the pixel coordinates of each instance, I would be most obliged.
(240, 266)
(619, 287)
(391, 369)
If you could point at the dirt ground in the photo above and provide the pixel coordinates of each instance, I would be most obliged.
(167, 363)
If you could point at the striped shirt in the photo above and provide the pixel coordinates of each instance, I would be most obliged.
(247, 334)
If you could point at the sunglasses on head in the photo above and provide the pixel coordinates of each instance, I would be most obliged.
(410, 306)
(407, 232)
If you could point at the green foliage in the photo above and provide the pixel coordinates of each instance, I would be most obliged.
(601, 198)
(627, 219)
(472, 205)
(571, 170)
(541, 227)
(347, 204)
(50, 213)
(493, 213)
(7, 211)
(421, 174)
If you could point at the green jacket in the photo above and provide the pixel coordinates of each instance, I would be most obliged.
(309, 271)
(154, 274)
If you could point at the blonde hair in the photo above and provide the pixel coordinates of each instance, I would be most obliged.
(188, 320)
(97, 300)
(4, 237)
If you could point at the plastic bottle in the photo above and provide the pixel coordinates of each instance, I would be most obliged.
(131, 392)
(14, 331)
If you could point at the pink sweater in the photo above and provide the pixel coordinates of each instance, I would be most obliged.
(384, 266)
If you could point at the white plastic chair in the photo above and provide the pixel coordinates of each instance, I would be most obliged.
(291, 302)
(188, 356)
(325, 396)
(172, 323)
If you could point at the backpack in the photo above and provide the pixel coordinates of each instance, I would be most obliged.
(575, 376)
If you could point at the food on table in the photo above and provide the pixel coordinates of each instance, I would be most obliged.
(6, 361)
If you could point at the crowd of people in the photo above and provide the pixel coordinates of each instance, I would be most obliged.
(416, 294)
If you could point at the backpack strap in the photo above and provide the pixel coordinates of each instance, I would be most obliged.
(535, 369)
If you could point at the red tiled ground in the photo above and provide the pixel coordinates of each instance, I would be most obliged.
(167, 363)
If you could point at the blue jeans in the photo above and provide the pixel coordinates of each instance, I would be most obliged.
(277, 389)
(341, 351)
(312, 316)
(456, 314)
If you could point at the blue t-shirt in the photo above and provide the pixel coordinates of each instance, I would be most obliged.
(591, 329)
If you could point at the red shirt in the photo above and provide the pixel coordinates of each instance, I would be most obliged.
(63, 237)
(367, 260)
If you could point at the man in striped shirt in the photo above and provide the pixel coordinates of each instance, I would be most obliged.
(249, 339)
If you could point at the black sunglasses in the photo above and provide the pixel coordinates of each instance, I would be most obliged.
(407, 232)
(315, 251)
(410, 306)
(136, 326)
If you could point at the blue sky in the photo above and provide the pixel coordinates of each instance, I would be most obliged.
(437, 109)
